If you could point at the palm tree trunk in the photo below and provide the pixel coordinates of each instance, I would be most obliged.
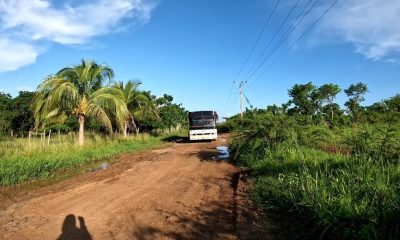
(81, 130)
(135, 128)
(126, 128)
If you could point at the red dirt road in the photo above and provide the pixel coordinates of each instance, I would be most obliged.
(180, 191)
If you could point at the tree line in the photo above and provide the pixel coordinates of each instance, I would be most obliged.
(85, 96)
(317, 105)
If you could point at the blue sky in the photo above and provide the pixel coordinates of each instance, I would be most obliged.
(193, 50)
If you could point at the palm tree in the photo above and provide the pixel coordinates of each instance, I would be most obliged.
(79, 90)
(137, 102)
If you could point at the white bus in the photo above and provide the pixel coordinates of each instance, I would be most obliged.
(203, 125)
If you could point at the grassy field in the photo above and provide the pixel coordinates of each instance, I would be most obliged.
(22, 160)
(340, 183)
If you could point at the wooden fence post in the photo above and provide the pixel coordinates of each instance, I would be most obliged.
(29, 137)
(43, 138)
(48, 140)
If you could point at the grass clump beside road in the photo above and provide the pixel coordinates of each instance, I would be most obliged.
(328, 183)
(21, 161)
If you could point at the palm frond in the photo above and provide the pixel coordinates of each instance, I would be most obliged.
(100, 114)
(66, 93)
(110, 100)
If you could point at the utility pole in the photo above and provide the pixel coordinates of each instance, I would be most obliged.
(241, 97)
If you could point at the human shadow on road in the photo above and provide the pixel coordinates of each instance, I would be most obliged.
(71, 232)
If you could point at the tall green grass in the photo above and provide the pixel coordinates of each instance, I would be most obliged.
(345, 197)
(337, 183)
(21, 161)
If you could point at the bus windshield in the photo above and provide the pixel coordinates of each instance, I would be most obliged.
(202, 119)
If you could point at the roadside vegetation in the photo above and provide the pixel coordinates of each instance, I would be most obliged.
(20, 163)
(77, 116)
(323, 171)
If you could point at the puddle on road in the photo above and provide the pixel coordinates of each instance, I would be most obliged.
(97, 167)
(223, 152)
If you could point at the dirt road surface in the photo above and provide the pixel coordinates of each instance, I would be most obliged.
(180, 191)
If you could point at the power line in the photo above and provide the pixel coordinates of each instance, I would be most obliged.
(230, 94)
(252, 49)
(237, 99)
(300, 37)
(272, 39)
(284, 36)
(241, 85)
(230, 101)
(258, 39)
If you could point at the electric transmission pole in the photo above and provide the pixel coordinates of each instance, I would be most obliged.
(241, 97)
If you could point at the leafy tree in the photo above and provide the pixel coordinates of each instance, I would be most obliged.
(305, 99)
(172, 116)
(274, 109)
(385, 111)
(22, 115)
(393, 103)
(334, 110)
(284, 108)
(5, 113)
(79, 91)
(164, 100)
(169, 115)
(327, 94)
(5, 101)
(393, 108)
(356, 93)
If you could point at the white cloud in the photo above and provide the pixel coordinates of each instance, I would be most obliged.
(27, 22)
(392, 60)
(372, 26)
(15, 54)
